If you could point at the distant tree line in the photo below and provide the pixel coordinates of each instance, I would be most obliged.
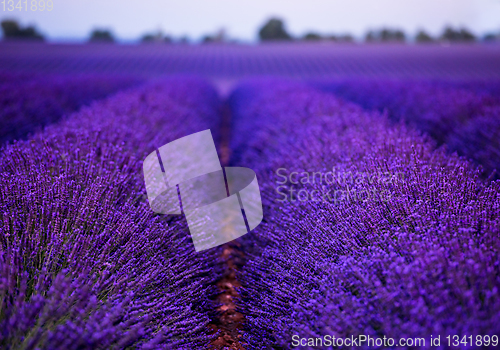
(449, 34)
(156, 37)
(219, 37)
(274, 30)
(492, 37)
(101, 36)
(106, 36)
(385, 35)
(13, 31)
(312, 36)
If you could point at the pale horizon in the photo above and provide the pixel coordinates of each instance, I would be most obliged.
(129, 19)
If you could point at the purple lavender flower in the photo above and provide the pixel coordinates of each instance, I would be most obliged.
(84, 263)
(422, 261)
(479, 139)
(444, 110)
(29, 103)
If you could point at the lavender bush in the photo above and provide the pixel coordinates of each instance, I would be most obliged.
(479, 139)
(84, 263)
(444, 110)
(417, 258)
(29, 103)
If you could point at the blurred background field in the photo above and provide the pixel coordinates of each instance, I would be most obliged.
(221, 61)
(225, 42)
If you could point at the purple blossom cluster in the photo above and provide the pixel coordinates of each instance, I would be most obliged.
(84, 262)
(424, 263)
(462, 115)
(479, 139)
(29, 103)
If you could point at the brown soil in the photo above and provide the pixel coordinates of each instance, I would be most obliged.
(230, 322)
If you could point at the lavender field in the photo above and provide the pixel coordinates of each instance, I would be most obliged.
(297, 60)
(378, 167)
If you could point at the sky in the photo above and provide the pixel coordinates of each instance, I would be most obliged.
(129, 19)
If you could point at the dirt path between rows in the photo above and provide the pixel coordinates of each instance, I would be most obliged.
(230, 322)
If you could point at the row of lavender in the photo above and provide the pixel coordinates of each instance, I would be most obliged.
(368, 230)
(463, 115)
(28, 103)
(84, 263)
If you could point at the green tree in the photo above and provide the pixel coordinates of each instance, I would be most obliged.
(148, 38)
(385, 35)
(184, 39)
(491, 37)
(102, 36)
(12, 30)
(390, 35)
(312, 37)
(345, 38)
(156, 37)
(274, 29)
(207, 39)
(466, 35)
(461, 35)
(371, 36)
(423, 37)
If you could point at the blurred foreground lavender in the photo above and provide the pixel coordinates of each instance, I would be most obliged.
(417, 257)
(84, 263)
